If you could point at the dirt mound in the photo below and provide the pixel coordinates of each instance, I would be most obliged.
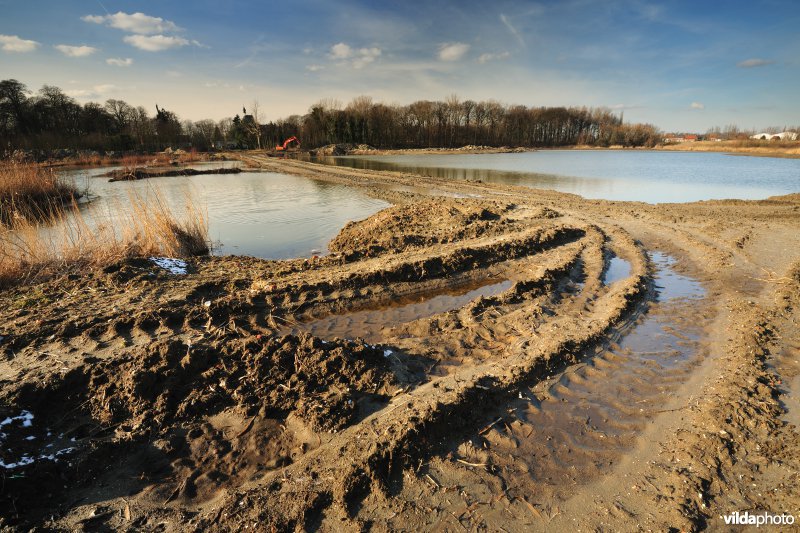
(423, 224)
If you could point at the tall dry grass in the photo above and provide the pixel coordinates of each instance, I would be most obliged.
(30, 251)
(136, 160)
(31, 192)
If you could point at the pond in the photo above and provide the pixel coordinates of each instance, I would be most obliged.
(631, 175)
(262, 214)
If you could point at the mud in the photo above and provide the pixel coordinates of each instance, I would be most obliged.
(512, 360)
(141, 174)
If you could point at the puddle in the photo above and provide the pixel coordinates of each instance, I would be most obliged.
(671, 285)
(577, 424)
(618, 269)
(369, 323)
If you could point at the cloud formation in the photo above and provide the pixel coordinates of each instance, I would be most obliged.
(358, 58)
(754, 62)
(155, 43)
(12, 43)
(134, 23)
(119, 62)
(452, 51)
(94, 92)
(697, 105)
(485, 58)
(75, 51)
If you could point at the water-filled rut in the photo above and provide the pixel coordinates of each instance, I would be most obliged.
(576, 425)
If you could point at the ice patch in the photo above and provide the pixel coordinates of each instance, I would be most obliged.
(387, 353)
(173, 266)
(26, 460)
(25, 417)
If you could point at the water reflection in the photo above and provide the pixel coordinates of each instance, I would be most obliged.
(263, 214)
(647, 176)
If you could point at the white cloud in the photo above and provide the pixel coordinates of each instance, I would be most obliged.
(95, 92)
(155, 43)
(75, 51)
(697, 105)
(341, 51)
(365, 56)
(754, 62)
(133, 22)
(119, 62)
(485, 58)
(314, 68)
(452, 51)
(12, 43)
(358, 58)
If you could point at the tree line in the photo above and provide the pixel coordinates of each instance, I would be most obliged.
(51, 119)
(454, 123)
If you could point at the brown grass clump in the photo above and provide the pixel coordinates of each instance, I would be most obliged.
(31, 252)
(32, 192)
(134, 161)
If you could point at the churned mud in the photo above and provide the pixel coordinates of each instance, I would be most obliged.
(475, 357)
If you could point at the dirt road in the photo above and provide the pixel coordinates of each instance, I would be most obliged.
(475, 357)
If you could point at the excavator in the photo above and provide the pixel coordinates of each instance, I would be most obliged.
(283, 147)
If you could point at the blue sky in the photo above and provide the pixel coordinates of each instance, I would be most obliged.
(681, 65)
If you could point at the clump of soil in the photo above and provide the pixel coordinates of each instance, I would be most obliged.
(143, 173)
(422, 224)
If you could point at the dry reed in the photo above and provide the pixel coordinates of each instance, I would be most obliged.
(30, 251)
(32, 192)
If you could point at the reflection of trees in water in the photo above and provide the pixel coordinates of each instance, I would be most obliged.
(530, 179)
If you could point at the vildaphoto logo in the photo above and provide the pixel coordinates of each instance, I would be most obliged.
(757, 519)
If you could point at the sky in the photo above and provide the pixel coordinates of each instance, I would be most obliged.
(685, 66)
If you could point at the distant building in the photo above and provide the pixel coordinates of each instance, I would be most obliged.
(681, 138)
(782, 136)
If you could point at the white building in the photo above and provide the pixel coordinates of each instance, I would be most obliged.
(782, 136)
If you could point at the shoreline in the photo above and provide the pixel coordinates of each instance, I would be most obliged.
(191, 381)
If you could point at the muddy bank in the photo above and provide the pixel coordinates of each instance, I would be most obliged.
(141, 173)
(432, 371)
(364, 149)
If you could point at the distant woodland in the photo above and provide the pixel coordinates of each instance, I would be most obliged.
(50, 119)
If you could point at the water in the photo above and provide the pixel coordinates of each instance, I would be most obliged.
(262, 214)
(368, 324)
(647, 176)
(618, 269)
(576, 425)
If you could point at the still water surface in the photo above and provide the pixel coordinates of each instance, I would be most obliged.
(647, 176)
(262, 214)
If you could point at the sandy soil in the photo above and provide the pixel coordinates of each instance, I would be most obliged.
(146, 400)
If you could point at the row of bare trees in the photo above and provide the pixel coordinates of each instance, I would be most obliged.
(453, 123)
(51, 119)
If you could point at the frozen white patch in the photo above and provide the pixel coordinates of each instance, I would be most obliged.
(387, 353)
(25, 417)
(173, 266)
(26, 460)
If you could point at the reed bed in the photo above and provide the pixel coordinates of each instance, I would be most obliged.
(31, 251)
(32, 192)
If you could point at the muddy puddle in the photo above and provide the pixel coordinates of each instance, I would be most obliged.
(371, 324)
(618, 269)
(577, 425)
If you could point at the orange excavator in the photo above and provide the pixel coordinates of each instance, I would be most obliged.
(285, 145)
